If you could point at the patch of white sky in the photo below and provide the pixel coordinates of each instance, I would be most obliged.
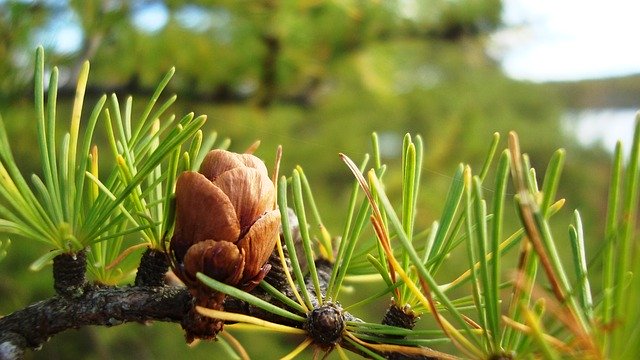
(547, 40)
(152, 17)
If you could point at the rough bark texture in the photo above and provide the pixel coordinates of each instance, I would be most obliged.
(154, 264)
(69, 274)
(197, 326)
(325, 325)
(402, 317)
(32, 326)
(107, 306)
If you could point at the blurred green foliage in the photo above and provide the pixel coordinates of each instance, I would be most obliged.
(317, 76)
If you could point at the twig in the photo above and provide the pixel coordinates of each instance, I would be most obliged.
(104, 306)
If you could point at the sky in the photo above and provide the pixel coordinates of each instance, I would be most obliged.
(543, 40)
(548, 40)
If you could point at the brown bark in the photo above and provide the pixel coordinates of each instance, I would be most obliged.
(104, 306)
(32, 326)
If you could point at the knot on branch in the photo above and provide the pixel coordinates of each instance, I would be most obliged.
(325, 324)
(154, 264)
(198, 326)
(69, 274)
(402, 317)
(405, 318)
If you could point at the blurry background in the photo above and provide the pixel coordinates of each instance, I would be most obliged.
(318, 76)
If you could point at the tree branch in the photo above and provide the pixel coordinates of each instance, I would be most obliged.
(31, 327)
(109, 306)
(104, 306)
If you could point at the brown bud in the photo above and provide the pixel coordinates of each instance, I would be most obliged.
(226, 221)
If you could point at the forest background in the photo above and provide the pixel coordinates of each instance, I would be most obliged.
(316, 77)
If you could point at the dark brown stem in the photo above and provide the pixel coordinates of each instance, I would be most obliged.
(69, 274)
(154, 264)
(107, 306)
(198, 326)
(325, 325)
(398, 316)
(405, 318)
